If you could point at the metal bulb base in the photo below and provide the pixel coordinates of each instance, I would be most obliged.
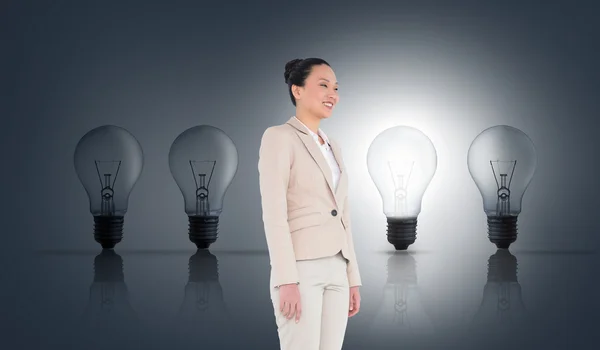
(502, 230)
(203, 230)
(401, 232)
(108, 230)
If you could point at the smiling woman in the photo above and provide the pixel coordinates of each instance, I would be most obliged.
(313, 89)
(306, 216)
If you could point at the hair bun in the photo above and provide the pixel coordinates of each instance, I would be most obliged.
(289, 67)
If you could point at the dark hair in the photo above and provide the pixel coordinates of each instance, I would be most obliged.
(297, 70)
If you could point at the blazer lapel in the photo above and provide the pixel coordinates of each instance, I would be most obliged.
(343, 176)
(315, 152)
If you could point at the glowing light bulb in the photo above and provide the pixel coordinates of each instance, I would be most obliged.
(402, 161)
(203, 161)
(108, 161)
(502, 161)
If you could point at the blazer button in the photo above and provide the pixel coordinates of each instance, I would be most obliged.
(334, 212)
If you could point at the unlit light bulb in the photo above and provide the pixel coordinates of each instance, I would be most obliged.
(203, 161)
(108, 161)
(502, 161)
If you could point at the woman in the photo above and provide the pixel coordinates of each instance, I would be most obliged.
(304, 193)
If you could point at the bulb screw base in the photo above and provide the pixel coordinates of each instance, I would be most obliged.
(502, 230)
(108, 230)
(203, 230)
(401, 232)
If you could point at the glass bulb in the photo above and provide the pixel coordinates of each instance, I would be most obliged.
(401, 161)
(108, 161)
(203, 161)
(502, 161)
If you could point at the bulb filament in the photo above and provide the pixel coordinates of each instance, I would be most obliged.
(502, 169)
(202, 192)
(107, 192)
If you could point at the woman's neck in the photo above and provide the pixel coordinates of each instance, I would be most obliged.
(309, 120)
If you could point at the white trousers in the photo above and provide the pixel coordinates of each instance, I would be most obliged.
(325, 301)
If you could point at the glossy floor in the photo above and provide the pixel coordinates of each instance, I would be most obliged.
(125, 299)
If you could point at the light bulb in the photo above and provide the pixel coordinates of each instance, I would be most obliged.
(203, 161)
(109, 310)
(401, 161)
(108, 161)
(502, 161)
(502, 308)
(401, 315)
(203, 313)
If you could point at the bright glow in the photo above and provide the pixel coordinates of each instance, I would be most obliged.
(401, 161)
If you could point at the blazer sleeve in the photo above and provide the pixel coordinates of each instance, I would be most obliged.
(275, 159)
(352, 267)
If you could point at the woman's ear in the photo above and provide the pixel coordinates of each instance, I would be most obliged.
(297, 92)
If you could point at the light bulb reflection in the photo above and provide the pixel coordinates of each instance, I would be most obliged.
(204, 315)
(502, 308)
(109, 311)
(401, 314)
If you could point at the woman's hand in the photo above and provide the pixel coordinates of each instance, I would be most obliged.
(289, 301)
(354, 301)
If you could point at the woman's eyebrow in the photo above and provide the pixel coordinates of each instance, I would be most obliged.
(327, 80)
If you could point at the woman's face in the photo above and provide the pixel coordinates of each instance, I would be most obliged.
(319, 95)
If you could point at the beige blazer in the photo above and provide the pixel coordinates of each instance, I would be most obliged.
(304, 218)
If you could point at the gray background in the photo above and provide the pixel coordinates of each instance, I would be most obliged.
(450, 69)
